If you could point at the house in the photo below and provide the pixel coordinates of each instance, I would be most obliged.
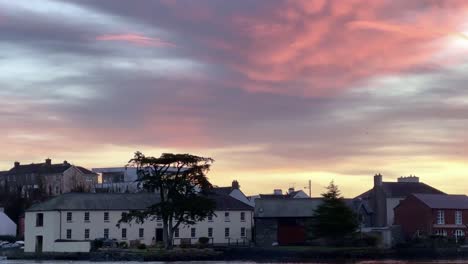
(283, 221)
(46, 179)
(119, 179)
(379, 202)
(7, 226)
(375, 208)
(235, 192)
(68, 223)
(433, 214)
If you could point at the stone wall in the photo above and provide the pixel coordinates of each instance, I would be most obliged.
(266, 231)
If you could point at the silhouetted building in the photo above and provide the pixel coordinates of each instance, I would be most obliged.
(46, 179)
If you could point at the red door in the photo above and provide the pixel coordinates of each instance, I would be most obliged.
(291, 234)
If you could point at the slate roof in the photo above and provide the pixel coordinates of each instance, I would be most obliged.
(223, 190)
(228, 203)
(39, 168)
(122, 201)
(403, 189)
(97, 201)
(443, 201)
(278, 208)
(43, 168)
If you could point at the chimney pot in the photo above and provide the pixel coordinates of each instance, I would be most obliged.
(277, 192)
(291, 190)
(65, 162)
(48, 162)
(17, 164)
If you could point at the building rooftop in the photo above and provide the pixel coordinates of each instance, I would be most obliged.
(403, 189)
(122, 201)
(443, 201)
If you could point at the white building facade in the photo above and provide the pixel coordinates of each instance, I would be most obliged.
(69, 222)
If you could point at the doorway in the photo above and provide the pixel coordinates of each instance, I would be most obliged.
(39, 244)
(159, 235)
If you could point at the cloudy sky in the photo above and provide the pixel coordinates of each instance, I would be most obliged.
(277, 92)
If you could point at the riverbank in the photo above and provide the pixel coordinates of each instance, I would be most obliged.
(273, 254)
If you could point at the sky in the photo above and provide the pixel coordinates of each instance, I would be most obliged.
(278, 92)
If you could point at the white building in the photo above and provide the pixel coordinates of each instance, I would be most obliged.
(7, 226)
(69, 222)
(119, 179)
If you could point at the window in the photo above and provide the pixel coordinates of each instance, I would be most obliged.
(124, 233)
(226, 232)
(69, 217)
(86, 216)
(159, 219)
(242, 231)
(86, 234)
(106, 232)
(226, 217)
(459, 233)
(458, 218)
(440, 217)
(242, 216)
(57, 190)
(176, 232)
(106, 216)
(440, 232)
(40, 219)
(141, 232)
(210, 232)
(69, 233)
(193, 232)
(210, 218)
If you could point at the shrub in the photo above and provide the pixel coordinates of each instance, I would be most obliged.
(123, 244)
(204, 240)
(141, 246)
(10, 239)
(97, 244)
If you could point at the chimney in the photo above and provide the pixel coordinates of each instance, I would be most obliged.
(411, 178)
(17, 164)
(235, 185)
(291, 190)
(277, 192)
(48, 162)
(65, 162)
(378, 180)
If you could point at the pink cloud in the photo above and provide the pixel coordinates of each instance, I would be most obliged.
(312, 48)
(136, 39)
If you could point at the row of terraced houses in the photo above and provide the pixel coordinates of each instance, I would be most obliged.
(66, 221)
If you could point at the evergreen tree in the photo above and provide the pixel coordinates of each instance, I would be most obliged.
(333, 219)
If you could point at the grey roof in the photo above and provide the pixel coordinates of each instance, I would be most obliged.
(122, 201)
(265, 208)
(227, 203)
(97, 201)
(43, 168)
(223, 190)
(403, 189)
(443, 201)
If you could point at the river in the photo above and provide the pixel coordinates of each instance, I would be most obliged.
(232, 262)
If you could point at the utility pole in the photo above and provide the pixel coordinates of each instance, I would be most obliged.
(309, 188)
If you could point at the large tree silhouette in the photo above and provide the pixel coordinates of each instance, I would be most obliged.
(182, 185)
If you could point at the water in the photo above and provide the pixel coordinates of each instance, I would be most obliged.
(233, 262)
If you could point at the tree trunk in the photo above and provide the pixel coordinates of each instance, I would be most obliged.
(165, 233)
(170, 235)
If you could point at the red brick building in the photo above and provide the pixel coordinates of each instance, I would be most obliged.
(433, 214)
